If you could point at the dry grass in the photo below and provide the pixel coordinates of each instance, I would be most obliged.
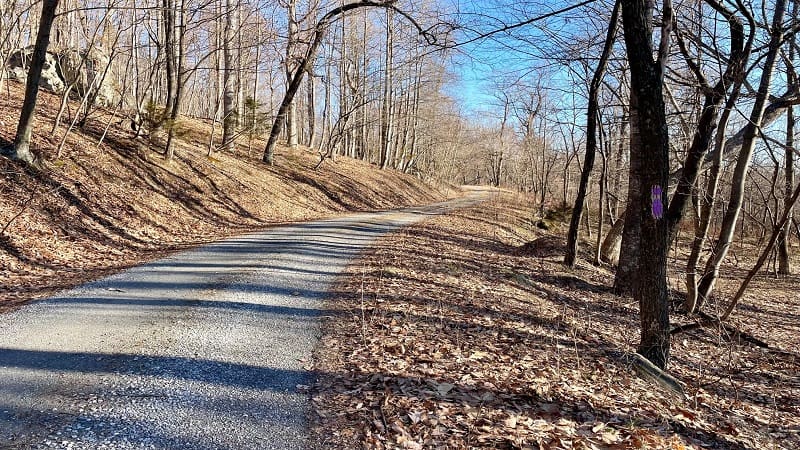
(100, 208)
(454, 334)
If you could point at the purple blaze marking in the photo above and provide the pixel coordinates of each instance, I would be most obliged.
(656, 202)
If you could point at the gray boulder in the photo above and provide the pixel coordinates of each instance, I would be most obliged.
(87, 70)
(19, 62)
(84, 70)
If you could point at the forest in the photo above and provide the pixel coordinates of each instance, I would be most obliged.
(652, 141)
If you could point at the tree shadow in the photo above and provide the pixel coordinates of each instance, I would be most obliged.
(431, 294)
(6, 146)
(170, 384)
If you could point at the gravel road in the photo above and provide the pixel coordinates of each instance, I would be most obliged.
(207, 349)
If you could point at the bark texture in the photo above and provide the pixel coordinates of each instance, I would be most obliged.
(22, 142)
(653, 174)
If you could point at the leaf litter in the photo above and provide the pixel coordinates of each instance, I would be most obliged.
(455, 334)
(100, 208)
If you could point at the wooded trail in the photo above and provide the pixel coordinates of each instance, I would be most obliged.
(209, 348)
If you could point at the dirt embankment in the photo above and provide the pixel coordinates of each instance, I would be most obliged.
(110, 201)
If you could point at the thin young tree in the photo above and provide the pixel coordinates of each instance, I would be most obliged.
(292, 44)
(591, 140)
(784, 263)
(387, 106)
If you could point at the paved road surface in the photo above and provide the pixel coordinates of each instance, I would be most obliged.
(201, 350)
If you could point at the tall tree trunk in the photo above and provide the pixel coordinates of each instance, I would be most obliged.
(619, 156)
(496, 156)
(784, 262)
(312, 110)
(291, 67)
(629, 249)
(22, 141)
(239, 64)
(743, 163)
(326, 110)
(415, 112)
(218, 72)
(692, 302)
(229, 80)
(345, 98)
(603, 185)
(168, 21)
(178, 51)
(171, 58)
(784, 257)
(591, 141)
(363, 133)
(257, 61)
(653, 173)
(387, 126)
(734, 75)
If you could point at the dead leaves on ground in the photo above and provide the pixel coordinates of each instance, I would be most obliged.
(448, 338)
(102, 207)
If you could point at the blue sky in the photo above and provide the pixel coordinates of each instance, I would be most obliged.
(524, 55)
(472, 89)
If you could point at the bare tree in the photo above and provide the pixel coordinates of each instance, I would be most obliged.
(784, 263)
(305, 63)
(743, 162)
(652, 172)
(591, 140)
(229, 116)
(22, 141)
(387, 116)
(291, 63)
(714, 97)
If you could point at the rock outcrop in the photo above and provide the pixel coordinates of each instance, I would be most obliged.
(87, 70)
(17, 68)
(84, 70)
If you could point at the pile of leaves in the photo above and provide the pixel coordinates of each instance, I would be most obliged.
(109, 200)
(453, 334)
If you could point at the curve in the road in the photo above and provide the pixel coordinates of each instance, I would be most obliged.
(207, 349)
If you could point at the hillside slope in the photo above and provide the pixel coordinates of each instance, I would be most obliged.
(104, 206)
